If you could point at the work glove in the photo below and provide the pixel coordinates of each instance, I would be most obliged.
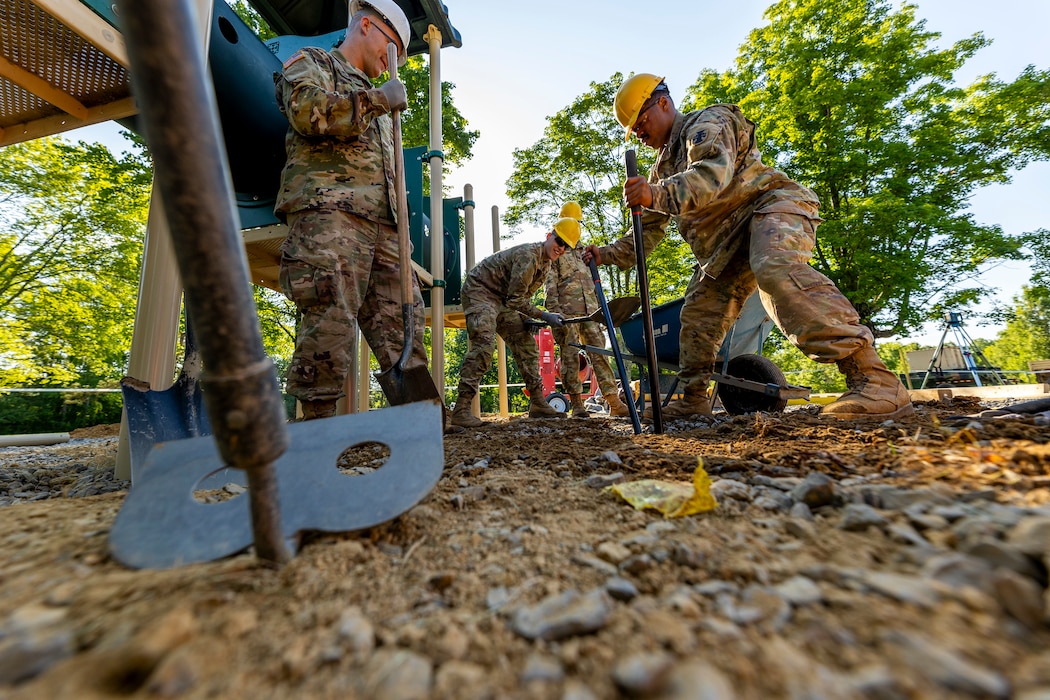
(392, 94)
(552, 319)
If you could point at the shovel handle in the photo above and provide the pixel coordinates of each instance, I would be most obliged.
(636, 422)
(647, 312)
(404, 254)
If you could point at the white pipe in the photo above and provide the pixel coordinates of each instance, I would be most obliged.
(152, 353)
(437, 224)
(33, 440)
(468, 233)
(501, 345)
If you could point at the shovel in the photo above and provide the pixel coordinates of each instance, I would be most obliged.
(172, 414)
(647, 312)
(606, 309)
(620, 310)
(401, 385)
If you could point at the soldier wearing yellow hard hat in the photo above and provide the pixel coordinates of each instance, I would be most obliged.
(570, 291)
(497, 298)
(750, 227)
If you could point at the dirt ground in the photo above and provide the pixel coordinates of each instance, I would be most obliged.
(438, 602)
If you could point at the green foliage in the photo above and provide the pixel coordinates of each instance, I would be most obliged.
(278, 320)
(799, 369)
(853, 100)
(457, 139)
(1027, 333)
(824, 378)
(252, 18)
(581, 157)
(72, 219)
(54, 412)
(456, 351)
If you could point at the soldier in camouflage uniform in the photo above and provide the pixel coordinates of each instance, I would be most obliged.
(339, 264)
(570, 291)
(496, 297)
(749, 226)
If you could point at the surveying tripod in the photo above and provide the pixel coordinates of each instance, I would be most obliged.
(953, 322)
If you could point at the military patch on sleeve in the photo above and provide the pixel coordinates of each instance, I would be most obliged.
(700, 136)
(293, 58)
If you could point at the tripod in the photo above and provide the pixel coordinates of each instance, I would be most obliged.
(953, 322)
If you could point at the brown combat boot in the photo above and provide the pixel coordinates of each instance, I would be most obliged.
(693, 403)
(617, 408)
(579, 409)
(461, 414)
(539, 408)
(321, 408)
(874, 392)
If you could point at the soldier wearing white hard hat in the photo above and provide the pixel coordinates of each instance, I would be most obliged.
(339, 264)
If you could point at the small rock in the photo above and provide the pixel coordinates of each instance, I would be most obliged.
(947, 668)
(643, 674)
(564, 615)
(397, 674)
(816, 490)
(541, 667)
(857, 517)
(621, 589)
(799, 590)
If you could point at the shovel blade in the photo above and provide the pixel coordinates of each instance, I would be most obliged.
(176, 413)
(162, 524)
(620, 309)
(401, 386)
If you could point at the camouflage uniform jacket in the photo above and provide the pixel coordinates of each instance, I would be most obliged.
(340, 141)
(512, 276)
(570, 288)
(711, 178)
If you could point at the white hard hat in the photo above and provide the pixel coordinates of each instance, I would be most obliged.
(393, 16)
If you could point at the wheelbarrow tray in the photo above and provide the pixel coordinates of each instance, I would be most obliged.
(745, 337)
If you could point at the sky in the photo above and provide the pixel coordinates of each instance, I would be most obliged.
(523, 62)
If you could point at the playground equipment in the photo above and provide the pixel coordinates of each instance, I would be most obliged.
(948, 368)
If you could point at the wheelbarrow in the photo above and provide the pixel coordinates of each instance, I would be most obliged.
(747, 382)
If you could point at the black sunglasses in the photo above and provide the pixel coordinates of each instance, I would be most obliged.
(560, 243)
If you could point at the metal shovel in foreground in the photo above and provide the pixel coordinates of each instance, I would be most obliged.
(293, 482)
(403, 385)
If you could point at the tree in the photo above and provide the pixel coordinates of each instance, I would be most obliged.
(853, 101)
(1027, 333)
(580, 157)
(71, 225)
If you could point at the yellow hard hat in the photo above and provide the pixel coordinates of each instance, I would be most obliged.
(571, 210)
(631, 96)
(568, 229)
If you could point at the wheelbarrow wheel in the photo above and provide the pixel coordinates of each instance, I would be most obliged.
(755, 368)
(558, 401)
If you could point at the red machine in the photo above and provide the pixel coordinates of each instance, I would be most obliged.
(550, 372)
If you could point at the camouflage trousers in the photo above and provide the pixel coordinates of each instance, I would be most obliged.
(587, 333)
(486, 316)
(805, 304)
(341, 271)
